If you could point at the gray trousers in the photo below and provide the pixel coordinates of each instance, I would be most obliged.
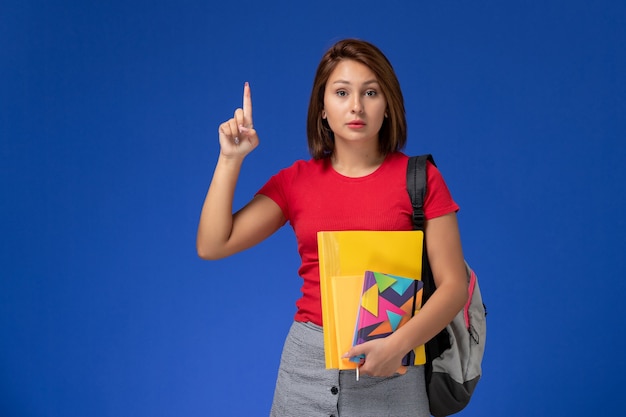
(305, 388)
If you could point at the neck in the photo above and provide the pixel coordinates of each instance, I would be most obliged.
(357, 162)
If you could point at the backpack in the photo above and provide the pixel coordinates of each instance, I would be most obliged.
(454, 356)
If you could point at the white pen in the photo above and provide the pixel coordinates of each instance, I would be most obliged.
(357, 373)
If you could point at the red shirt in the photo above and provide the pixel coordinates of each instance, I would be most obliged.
(314, 197)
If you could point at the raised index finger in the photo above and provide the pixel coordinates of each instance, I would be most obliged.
(247, 106)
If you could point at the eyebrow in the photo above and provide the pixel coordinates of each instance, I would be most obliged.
(348, 82)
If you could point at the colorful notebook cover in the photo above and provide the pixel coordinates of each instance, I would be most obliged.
(344, 256)
(387, 303)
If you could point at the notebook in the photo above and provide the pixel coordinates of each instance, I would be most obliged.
(387, 303)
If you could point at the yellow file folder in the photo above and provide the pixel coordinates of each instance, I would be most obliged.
(344, 256)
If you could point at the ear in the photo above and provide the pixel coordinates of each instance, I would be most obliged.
(323, 114)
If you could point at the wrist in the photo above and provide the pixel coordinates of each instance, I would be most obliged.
(230, 160)
(399, 344)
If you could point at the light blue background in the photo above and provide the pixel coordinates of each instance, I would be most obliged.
(108, 126)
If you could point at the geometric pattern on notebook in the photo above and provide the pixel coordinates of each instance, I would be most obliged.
(387, 302)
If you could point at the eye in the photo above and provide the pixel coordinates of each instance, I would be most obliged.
(341, 93)
(371, 93)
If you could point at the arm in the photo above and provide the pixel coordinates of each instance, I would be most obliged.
(384, 356)
(220, 232)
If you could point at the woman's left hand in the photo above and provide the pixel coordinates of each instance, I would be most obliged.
(381, 359)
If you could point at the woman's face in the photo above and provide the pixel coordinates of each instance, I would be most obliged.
(354, 104)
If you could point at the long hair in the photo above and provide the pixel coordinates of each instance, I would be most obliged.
(392, 135)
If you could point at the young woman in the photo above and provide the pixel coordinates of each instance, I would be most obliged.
(356, 128)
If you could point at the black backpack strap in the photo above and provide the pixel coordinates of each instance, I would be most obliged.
(416, 186)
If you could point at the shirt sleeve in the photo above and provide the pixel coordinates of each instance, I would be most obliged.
(274, 188)
(438, 200)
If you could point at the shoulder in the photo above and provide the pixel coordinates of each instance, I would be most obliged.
(395, 164)
(432, 172)
(300, 168)
(433, 175)
(304, 165)
(397, 157)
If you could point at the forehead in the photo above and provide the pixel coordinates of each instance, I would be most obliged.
(351, 72)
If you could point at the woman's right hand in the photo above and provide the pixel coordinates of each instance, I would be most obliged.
(237, 135)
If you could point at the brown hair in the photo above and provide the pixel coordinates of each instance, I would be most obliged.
(392, 136)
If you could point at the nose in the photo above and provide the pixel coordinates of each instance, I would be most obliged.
(357, 105)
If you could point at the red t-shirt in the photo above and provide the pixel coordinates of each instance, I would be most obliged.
(314, 197)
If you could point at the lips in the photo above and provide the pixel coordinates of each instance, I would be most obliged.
(356, 123)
